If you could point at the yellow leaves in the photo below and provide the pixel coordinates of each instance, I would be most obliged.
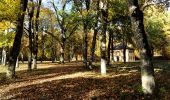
(6, 25)
(9, 9)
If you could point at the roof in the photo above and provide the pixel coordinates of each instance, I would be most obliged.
(120, 47)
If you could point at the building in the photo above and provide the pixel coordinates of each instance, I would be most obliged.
(118, 54)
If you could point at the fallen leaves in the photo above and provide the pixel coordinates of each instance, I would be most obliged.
(72, 81)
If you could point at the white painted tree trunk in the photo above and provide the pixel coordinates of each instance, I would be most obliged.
(148, 83)
(104, 16)
(147, 69)
(62, 55)
(3, 57)
(34, 63)
(17, 63)
(103, 66)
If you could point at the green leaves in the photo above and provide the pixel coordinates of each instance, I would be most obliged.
(156, 23)
(6, 33)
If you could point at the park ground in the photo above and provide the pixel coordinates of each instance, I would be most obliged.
(73, 81)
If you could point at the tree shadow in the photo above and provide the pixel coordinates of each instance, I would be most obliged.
(87, 88)
(77, 88)
(43, 73)
(82, 87)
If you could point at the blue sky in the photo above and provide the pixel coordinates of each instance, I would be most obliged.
(47, 4)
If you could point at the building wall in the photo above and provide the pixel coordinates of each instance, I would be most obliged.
(118, 55)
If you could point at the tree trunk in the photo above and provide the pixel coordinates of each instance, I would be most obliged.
(124, 50)
(22, 57)
(31, 37)
(71, 53)
(94, 37)
(108, 50)
(17, 41)
(112, 56)
(104, 12)
(62, 53)
(29, 61)
(53, 51)
(4, 56)
(1, 56)
(147, 69)
(85, 45)
(85, 38)
(42, 47)
(34, 61)
(17, 63)
(36, 36)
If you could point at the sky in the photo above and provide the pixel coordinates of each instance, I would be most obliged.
(47, 4)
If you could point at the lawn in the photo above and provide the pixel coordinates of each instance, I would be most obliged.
(73, 81)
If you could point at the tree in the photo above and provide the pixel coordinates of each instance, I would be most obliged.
(147, 69)
(17, 41)
(35, 42)
(104, 18)
(95, 28)
(31, 33)
(156, 25)
(7, 33)
(9, 14)
(65, 22)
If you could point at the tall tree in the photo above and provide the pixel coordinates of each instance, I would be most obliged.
(31, 33)
(17, 41)
(35, 50)
(85, 29)
(147, 69)
(66, 29)
(104, 18)
(96, 28)
(110, 43)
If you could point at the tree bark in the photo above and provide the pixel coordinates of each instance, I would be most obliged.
(147, 69)
(85, 42)
(4, 56)
(17, 63)
(104, 16)
(35, 51)
(53, 51)
(108, 50)
(94, 37)
(42, 46)
(17, 41)
(62, 53)
(124, 49)
(85, 38)
(22, 57)
(112, 56)
(31, 37)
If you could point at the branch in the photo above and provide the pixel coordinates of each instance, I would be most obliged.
(53, 36)
(151, 3)
(72, 31)
(56, 10)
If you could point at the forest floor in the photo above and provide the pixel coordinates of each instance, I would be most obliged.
(73, 81)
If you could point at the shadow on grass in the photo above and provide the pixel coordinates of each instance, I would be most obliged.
(103, 88)
(43, 73)
(97, 88)
(79, 88)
